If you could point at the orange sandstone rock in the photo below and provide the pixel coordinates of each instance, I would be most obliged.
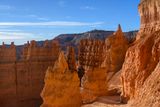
(71, 58)
(115, 51)
(150, 17)
(143, 57)
(99, 59)
(94, 81)
(91, 53)
(61, 86)
(150, 93)
(21, 79)
(141, 60)
(8, 54)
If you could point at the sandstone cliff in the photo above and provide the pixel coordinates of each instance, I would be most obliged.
(21, 80)
(141, 60)
(150, 17)
(61, 86)
(139, 72)
(8, 54)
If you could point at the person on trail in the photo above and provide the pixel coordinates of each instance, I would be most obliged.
(81, 72)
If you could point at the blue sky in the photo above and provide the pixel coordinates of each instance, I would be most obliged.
(22, 20)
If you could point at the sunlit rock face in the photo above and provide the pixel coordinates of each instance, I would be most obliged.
(141, 60)
(150, 17)
(115, 48)
(150, 92)
(61, 87)
(115, 51)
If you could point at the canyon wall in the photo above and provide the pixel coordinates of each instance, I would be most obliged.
(21, 81)
(142, 58)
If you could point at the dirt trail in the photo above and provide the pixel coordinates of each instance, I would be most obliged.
(106, 101)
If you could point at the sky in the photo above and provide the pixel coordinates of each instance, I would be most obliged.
(23, 20)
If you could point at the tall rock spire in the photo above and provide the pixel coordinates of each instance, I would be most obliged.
(113, 44)
(61, 87)
(71, 58)
(119, 28)
(119, 34)
(61, 63)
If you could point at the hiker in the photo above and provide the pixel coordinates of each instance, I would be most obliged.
(81, 72)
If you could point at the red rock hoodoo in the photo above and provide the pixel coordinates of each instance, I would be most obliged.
(61, 85)
(115, 51)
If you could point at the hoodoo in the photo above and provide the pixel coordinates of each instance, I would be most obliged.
(61, 87)
(115, 49)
